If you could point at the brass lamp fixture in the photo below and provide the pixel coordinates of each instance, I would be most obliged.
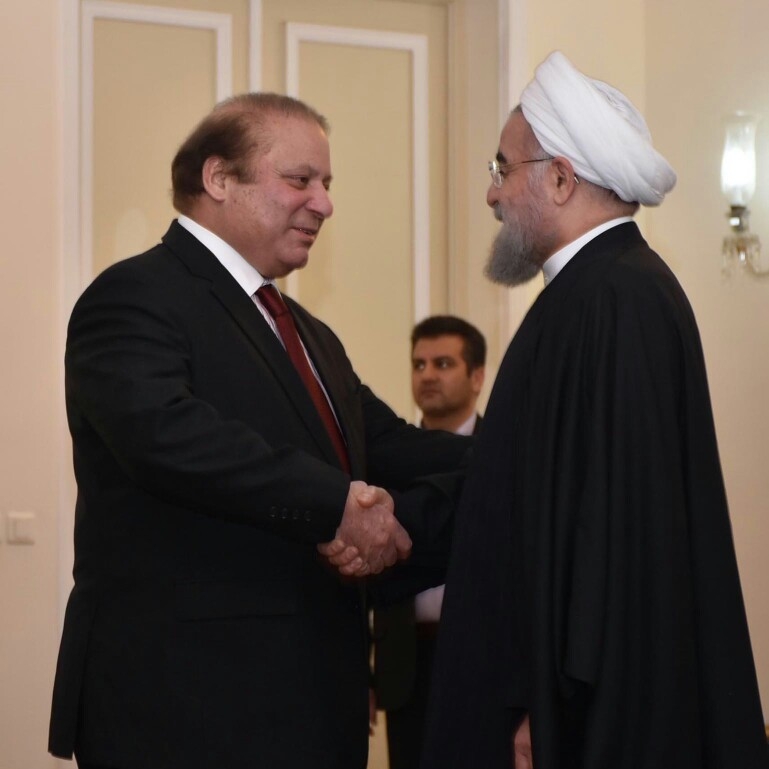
(738, 183)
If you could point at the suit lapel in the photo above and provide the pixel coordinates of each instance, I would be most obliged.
(203, 264)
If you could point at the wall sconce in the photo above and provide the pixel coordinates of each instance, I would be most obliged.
(738, 183)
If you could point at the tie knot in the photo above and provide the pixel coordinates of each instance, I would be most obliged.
(272, 300)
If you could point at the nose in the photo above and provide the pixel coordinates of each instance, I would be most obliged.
(320, 203)
(492, 196)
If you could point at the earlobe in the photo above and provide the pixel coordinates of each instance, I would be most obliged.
(214, 178)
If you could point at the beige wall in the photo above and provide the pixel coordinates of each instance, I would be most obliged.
(698, 70)
(31, 380)
(686, 81)
(475, 113)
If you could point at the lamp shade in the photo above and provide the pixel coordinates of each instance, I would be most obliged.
(738, 164)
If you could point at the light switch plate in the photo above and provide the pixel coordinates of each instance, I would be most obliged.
(20, 528)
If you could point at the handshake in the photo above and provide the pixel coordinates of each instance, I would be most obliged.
(369, 537)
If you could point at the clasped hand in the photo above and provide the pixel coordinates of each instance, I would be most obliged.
(369, 537)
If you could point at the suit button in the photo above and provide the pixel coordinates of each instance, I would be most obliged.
(295, 515)
(273, 512)
(284, 513)
(307, 515)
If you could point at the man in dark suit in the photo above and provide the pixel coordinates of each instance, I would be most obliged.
(448, 358)
(216, 451)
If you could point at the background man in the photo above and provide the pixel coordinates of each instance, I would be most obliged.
(593, 609)
(215, 447)
(448, 358)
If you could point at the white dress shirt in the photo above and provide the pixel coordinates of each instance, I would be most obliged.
(249, 279)
(428, 603)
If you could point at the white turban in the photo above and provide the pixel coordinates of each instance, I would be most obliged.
(597, 128)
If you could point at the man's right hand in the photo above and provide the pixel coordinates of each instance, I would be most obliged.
(369, 537)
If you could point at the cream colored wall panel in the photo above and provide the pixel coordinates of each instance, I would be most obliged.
(380, 81)
(475, 122)
(243, 17)
(360, 278)
(384, 15)
(130, 112)
(220, 23)
(138, 122)
(255, 45)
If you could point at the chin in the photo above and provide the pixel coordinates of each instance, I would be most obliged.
(287, 266)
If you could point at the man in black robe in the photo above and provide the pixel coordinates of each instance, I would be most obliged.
(593, 616)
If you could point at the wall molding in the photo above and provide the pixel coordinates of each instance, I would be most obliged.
(91, 10)
(416, 45)
(70, 280)
(513, 54)
(255, 45)
(513, 76)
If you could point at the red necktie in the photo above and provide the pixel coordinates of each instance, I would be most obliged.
(274, 304)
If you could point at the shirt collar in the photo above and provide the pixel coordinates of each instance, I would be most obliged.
(247, 276)
(466, 428)
(560, 258)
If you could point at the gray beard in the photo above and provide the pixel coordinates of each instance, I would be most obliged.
(512, 260)
(517, 253)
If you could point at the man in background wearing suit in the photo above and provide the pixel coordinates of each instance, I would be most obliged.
(448, 357)
(216, 449)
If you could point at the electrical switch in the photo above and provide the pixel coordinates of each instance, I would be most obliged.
(20, 528)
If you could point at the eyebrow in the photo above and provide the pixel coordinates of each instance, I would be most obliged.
(433, 358)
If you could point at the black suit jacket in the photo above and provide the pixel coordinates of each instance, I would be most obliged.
(203, 630)
(395, 647)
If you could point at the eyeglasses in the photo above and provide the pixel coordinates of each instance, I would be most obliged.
(499, 170)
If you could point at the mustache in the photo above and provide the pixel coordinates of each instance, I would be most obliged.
(498, 213)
